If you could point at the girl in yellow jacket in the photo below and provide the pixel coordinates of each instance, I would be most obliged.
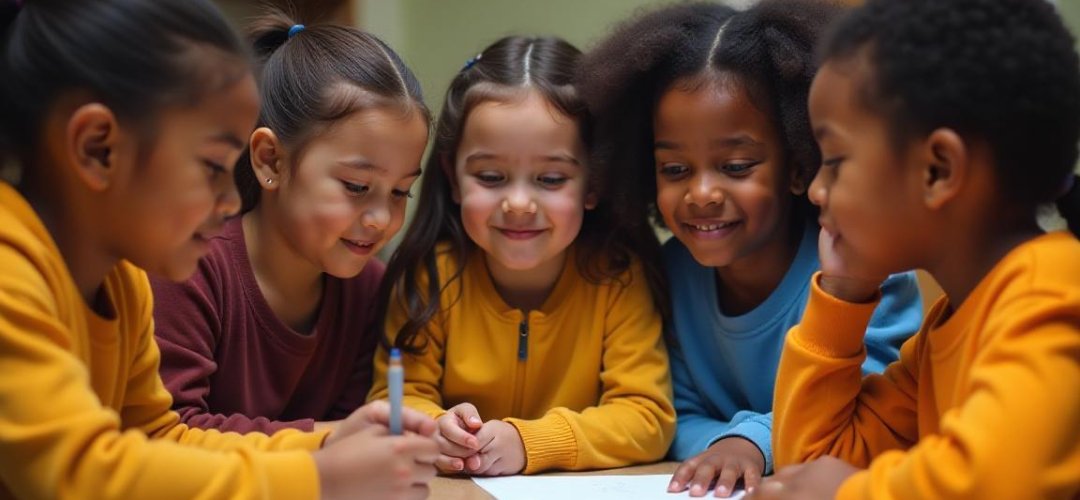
(523, 307)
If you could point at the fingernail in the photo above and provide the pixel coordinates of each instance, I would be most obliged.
(475, 420)
(673, 487)
(721, 490)
(696, 490)
(458, 465)
(750, 489)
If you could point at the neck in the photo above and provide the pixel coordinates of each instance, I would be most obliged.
(526, 289)
(291, 285)
(77, 235)
(967, 257)
(748, 281)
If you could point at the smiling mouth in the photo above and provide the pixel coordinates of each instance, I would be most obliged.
(359, 247)
(520, 234)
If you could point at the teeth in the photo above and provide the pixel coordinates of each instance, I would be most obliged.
(710, 227)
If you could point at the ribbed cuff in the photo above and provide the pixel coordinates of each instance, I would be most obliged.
(291, 439)
(832, 327)
(290, 475)
(549, 443)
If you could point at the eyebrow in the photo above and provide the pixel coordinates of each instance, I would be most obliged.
(483, 155)
(822, 131)
(229, 139)
(727, 142)
(362, 164)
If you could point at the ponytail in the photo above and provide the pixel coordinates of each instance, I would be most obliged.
(1069, 205)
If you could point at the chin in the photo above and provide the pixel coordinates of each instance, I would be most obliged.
(174, 271)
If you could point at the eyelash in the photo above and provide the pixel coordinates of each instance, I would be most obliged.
(833, 162)
(548, 181)
(360, 190)
(732, 169)
(215, 169)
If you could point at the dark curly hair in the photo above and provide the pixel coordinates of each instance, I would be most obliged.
(1002, 71)
(502, 72)
(767, 49)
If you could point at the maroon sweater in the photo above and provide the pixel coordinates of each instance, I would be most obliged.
(231, 364)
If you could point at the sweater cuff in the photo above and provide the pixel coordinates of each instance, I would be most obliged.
(291, 474)
(832, 327)
(549, 443)
(854, 487)
(291, 439)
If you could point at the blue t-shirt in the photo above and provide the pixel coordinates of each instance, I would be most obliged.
(724, 367)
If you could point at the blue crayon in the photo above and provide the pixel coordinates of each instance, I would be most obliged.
(396, 379)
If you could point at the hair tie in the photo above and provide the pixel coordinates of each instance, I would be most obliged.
(472, 62)
(296, 28)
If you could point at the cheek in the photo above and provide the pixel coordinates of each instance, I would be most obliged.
(669, 196)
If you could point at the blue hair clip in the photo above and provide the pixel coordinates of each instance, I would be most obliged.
(296, 28)
(472, 62)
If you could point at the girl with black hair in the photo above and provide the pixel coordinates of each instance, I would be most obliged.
(124, 118)
(277, 328)
(944, 127)
(524, 309)
(701, 119)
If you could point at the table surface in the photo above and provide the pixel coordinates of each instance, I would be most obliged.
(462, 488)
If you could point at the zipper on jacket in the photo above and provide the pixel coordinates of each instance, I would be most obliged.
(523, 339)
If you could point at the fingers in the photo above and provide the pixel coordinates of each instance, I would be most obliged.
(751, 479)
(703, 477)
(683, 474)
(450, 465)
(468, 414)
(483, 463)
(451, 428)
(770, 489)
(730, 473)
(415, 421)
(421, 449)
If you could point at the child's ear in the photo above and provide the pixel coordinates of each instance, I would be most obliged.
(944, 165)
(92, 136)
(448, 170)
(267, 157)
(591, 200)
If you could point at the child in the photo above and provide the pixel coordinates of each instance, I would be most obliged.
(515, 299)
(123, 117)
(943, 126)
(276, 328)
(704, 108)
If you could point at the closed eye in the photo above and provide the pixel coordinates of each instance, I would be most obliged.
(552, 181)
(673, 170)
(355, 189)
(739, 169)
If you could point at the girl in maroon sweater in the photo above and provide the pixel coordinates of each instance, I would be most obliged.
(275, 329)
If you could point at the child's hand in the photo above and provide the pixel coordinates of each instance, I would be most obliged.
(844, 277)
(725, 461)
(378, 464)
(818, 479)
(502, 452)
(455, 437)
(377, 413)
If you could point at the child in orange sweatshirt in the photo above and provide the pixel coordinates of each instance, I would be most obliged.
(943, 126)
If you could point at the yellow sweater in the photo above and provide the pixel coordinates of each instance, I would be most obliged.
(584, 379)
(982, 404)
(83, 412)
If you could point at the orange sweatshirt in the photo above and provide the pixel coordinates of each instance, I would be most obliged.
(83, 412)
(984, 403)
(584, 379)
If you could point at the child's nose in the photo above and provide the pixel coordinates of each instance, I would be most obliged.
(704, 190)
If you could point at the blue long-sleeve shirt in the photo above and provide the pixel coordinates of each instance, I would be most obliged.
(724, 367)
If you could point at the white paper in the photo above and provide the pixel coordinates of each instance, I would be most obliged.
(652, 486)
